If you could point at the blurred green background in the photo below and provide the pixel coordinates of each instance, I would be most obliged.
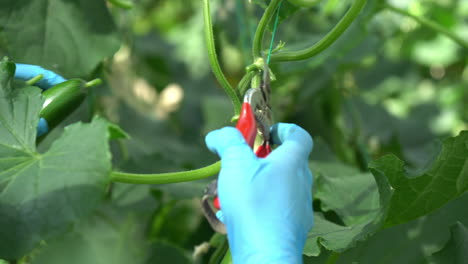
(387, 85)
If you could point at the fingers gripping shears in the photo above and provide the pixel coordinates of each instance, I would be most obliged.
(255, 120)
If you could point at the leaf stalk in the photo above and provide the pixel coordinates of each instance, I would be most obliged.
(163, 178)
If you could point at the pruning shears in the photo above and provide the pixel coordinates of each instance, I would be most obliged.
(255, 120)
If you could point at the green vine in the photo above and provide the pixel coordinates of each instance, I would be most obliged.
(262, 25)
(244, 83)
(324, 43)
(220, 252)
(429, 24)
(210, 44)
(170, 177)
(257, 65)
(227, 258)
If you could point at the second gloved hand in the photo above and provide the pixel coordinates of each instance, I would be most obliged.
(25, 72)
(266, 202)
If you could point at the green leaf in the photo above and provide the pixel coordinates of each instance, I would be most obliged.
(335, 237)
(456, 249)
(412, 242)
(354, 196)
(7, 70)
(414, 196)
(164, 252)
(100, 239)
(287, 10)
(176, 221)
(322, 259)
(70, 37)
(42, 193)
(116, 132)
(363, 203)
(115, 233)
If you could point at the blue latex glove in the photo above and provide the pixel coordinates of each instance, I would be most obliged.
(25, 72)
(42, 127)
(266, 202)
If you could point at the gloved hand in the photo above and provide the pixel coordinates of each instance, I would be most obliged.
(266, 202)
(25, 72)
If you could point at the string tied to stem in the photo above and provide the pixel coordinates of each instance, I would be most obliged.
(275, 27)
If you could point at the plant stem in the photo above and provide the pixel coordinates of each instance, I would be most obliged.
(35, 79)
(333, 258)
(93, 83)
(219, 253)
(430, 24)
(170, 177)
(244, 83)
(262, 25)
(326, 41)
(257, 65)
(210, 44)
(227, 258)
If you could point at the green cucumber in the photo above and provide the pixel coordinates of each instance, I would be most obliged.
(61, 100)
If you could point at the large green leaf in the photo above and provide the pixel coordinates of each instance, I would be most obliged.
(336, 237)
(412, 242)
(106, 237)
(363, 204)
(70, 37)
(42, 193)
(456, 249)
(354, 196)
(176, 220)
(416, 195)
(163, 252)
(115, 233)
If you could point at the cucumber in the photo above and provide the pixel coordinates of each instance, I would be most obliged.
(61, 100)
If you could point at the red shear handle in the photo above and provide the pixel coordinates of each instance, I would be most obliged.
(216, 203)
(247, 124)
(263, 151)
(248, 127)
